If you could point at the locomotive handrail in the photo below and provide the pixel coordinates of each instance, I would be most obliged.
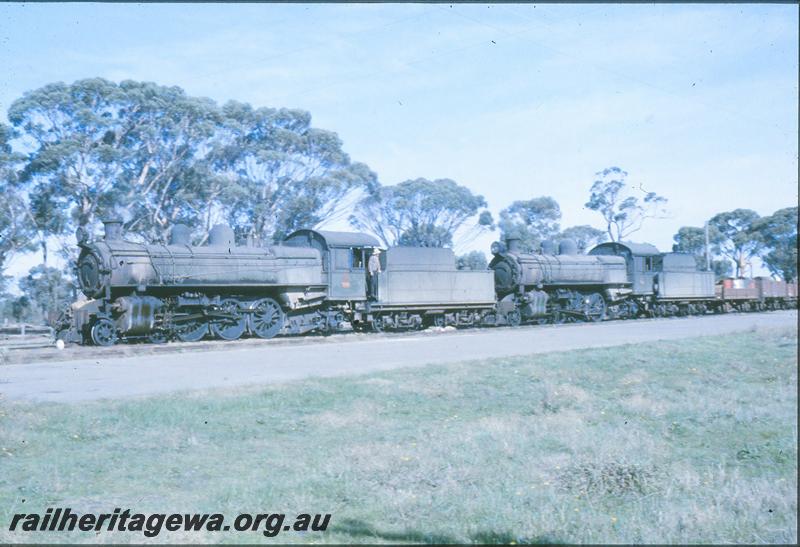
(172, 261)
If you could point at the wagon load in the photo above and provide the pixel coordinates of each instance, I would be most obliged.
(760, 293)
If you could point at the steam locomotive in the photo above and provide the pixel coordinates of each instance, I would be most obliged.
(317, 280)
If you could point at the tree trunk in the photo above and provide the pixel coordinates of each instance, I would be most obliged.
(610, 234)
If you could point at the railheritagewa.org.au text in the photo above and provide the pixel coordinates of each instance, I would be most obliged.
(63, 519)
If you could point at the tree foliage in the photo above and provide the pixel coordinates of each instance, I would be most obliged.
(154, 156)
(778, 235)
(419, 213)
(624, 208)
(166, 136)
(19, 309)
(474, 260)
(584, 236)
(531, 221)
(736, 237)
(16, 230)
(75, 159)
(692, 240)
(298, 174)
(48, 290)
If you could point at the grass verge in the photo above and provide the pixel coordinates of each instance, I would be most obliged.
(689, 441)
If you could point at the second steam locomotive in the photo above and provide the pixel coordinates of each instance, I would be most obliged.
(318, 281)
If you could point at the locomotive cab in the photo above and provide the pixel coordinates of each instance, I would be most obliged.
(665, 282)
(642, 260)
(344, 259)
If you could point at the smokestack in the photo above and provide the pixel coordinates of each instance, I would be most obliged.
(512, 244)
(113, 229)
(708, 255)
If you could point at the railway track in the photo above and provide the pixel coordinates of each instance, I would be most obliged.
(44, 350)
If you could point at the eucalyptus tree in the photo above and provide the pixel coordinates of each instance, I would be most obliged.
(75, 134)
(778, 233)
(473, 260)
(16, 229)
(48, 289)
(737, 239)
(624, 208)
(277, 173)
(692, 240)
(584, 236)
(165, 175)
(531, 221)
(420, 212)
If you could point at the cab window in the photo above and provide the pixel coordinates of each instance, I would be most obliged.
(342, 259)
(357, 258)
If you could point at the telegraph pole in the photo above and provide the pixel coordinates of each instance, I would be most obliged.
(708, 256)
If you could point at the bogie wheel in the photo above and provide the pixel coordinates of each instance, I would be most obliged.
(267, 318)
(514, 318)
(104, 333)
(191, 331)
(233, 328)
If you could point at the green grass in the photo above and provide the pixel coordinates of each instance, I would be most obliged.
(690, 441)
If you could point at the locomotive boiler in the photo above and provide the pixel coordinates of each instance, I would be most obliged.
(159, 291)
(557, 286)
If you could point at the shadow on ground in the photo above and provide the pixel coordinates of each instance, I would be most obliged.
(359, 529)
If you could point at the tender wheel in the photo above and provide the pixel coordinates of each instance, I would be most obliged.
(489, 320)
(266, 319)
(594, 307)
(229, 329)
(514, 318)
(191, 331)
(434, 320)
(104, 333)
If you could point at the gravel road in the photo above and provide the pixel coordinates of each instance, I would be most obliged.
(100, 377)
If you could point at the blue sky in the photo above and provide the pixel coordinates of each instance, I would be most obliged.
(697, 102)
